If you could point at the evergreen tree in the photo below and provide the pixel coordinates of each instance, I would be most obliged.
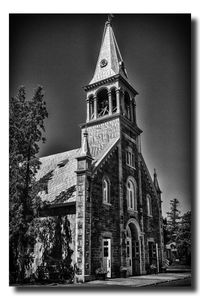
(26, 120)
(184, 238)
(173, 219)
(166, 232)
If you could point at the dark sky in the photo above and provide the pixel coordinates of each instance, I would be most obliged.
(60, 53)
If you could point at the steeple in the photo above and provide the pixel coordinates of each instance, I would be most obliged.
(155, 181)
(109, 93)
(110, 61)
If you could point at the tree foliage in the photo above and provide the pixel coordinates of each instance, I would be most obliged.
(173, 219)
(184, 238)
(177, 229)
(26, 120)
(54, 234)
(26, 227)
(166, 232)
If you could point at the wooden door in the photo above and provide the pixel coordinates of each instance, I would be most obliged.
(129, 255)
(136, 257)
(107, 256)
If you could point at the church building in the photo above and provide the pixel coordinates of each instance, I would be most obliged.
(104, 187)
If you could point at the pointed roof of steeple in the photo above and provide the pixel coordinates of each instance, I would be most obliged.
(85, 149)
(155, 181)
(110, 61)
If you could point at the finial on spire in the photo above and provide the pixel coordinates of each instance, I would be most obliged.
(110, 17)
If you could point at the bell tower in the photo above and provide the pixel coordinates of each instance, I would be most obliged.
(110, 98)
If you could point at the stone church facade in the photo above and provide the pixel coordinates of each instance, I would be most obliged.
(104, 187)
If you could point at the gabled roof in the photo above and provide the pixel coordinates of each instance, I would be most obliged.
(148, 175)
(61, 186)
(110, 61)
(58, 170)
(105, 152)
(155, 181)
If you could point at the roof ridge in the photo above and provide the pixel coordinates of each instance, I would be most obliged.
(51, 155)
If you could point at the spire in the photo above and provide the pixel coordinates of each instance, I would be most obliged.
(155, 181)
(110, 61)
(85, 150)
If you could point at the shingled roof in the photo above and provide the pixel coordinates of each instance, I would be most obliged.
(110, 61)
(61, 186)
(58, 170)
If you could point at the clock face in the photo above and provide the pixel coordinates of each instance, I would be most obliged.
(103, 63)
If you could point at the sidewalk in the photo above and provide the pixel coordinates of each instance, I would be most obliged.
(130, 282)
(178, 269)
(138, 281)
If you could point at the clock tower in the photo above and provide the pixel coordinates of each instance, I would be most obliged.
(110, 98)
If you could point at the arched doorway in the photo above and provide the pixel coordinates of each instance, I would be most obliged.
(133, 248)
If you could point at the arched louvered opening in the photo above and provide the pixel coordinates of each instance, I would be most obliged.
(91, 111)
(102, 103)
(114, 100)
(127, 105)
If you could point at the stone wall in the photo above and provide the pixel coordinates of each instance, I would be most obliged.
(72, 220)
(133, 172)
(110, 220)
(151, 224)
(105, 217)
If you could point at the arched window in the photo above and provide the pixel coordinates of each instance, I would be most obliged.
(149, 205)
(106, 190)
(102, 103)
(131, 194)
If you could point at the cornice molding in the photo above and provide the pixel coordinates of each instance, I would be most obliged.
(108, 80)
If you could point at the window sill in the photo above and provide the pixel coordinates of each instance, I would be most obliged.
(132, 210)
(134, 168)
(150, 216)
(106, 203)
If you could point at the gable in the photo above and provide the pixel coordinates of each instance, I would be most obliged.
(146, 173)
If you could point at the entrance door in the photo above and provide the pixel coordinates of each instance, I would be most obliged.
(152, 253)
(136, 258)
(107, 256)
(129, 255)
